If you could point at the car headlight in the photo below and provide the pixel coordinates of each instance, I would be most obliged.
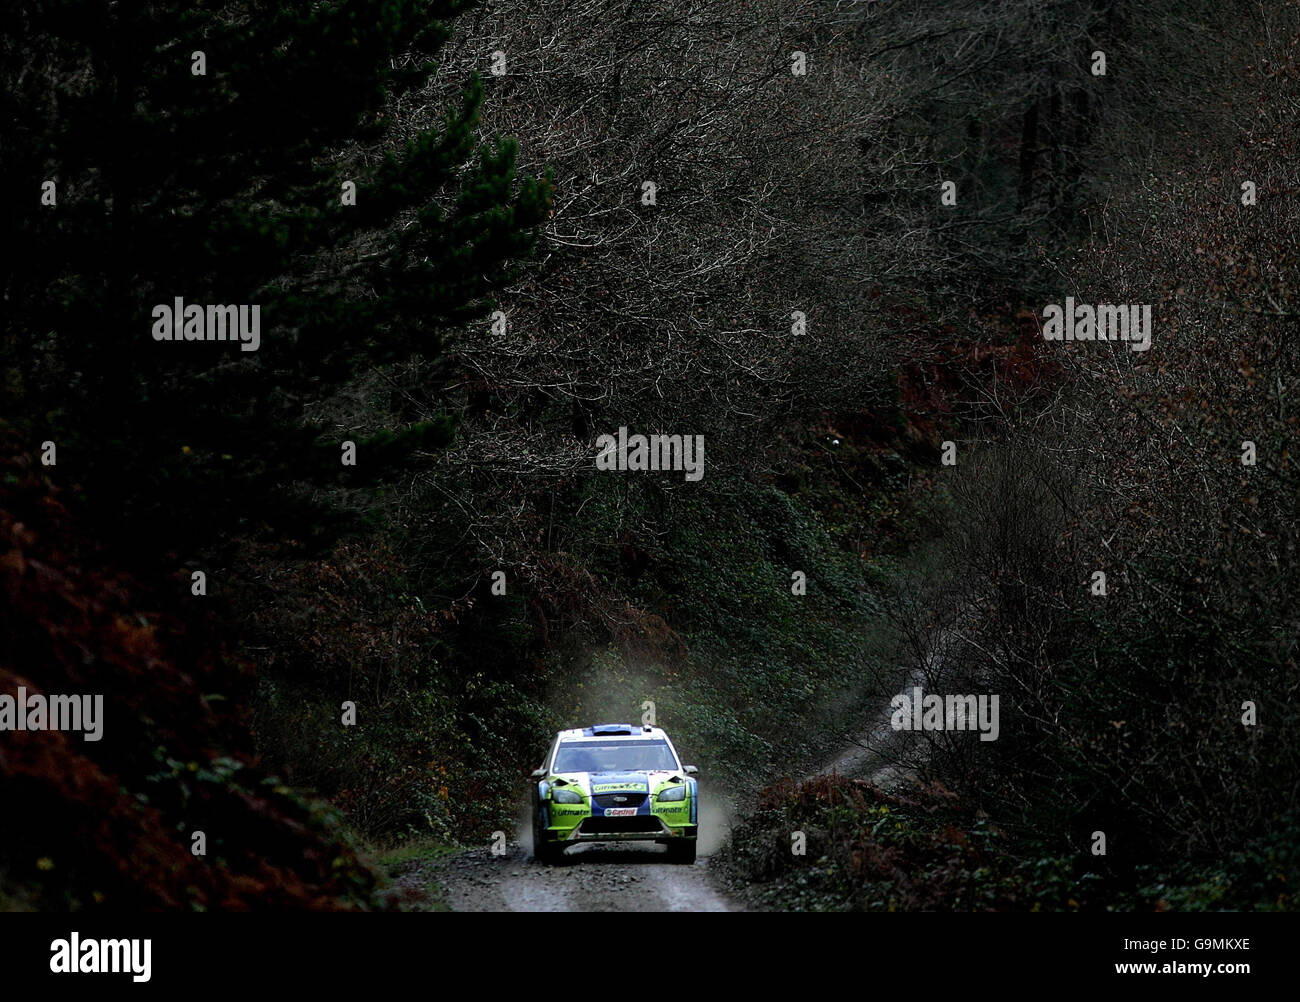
(565, 796)
(672, 793)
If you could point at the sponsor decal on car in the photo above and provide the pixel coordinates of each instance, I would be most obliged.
(624, 787)
(619, 812)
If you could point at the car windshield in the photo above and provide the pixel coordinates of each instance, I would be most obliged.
(614, 756)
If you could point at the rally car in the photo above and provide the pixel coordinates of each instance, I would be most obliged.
(614, 783)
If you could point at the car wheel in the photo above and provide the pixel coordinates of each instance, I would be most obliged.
(543, 851)
(682, 851)
(548, 853)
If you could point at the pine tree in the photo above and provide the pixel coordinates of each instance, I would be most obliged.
(200, 151)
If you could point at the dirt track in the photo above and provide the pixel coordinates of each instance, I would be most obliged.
(602, 878)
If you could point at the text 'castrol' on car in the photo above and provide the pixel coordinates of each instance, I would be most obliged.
(614, 783)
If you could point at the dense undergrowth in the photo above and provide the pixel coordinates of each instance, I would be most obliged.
(111, 823)
(925, 848)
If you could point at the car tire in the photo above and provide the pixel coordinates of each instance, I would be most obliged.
(682, 851)
(548, 853)
(543, 851)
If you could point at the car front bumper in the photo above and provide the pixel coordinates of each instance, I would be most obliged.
(647, 828)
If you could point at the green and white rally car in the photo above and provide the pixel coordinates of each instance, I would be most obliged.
(614, 783)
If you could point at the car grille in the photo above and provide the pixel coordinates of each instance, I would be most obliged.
(645, 823)
(619, 799)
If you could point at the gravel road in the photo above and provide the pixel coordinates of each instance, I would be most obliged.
(591, 878)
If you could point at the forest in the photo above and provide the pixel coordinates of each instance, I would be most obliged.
(754, 361)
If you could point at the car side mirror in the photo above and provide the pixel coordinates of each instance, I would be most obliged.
(690, 770)
(538, 773)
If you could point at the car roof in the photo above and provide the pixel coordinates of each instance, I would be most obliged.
(606, 732)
